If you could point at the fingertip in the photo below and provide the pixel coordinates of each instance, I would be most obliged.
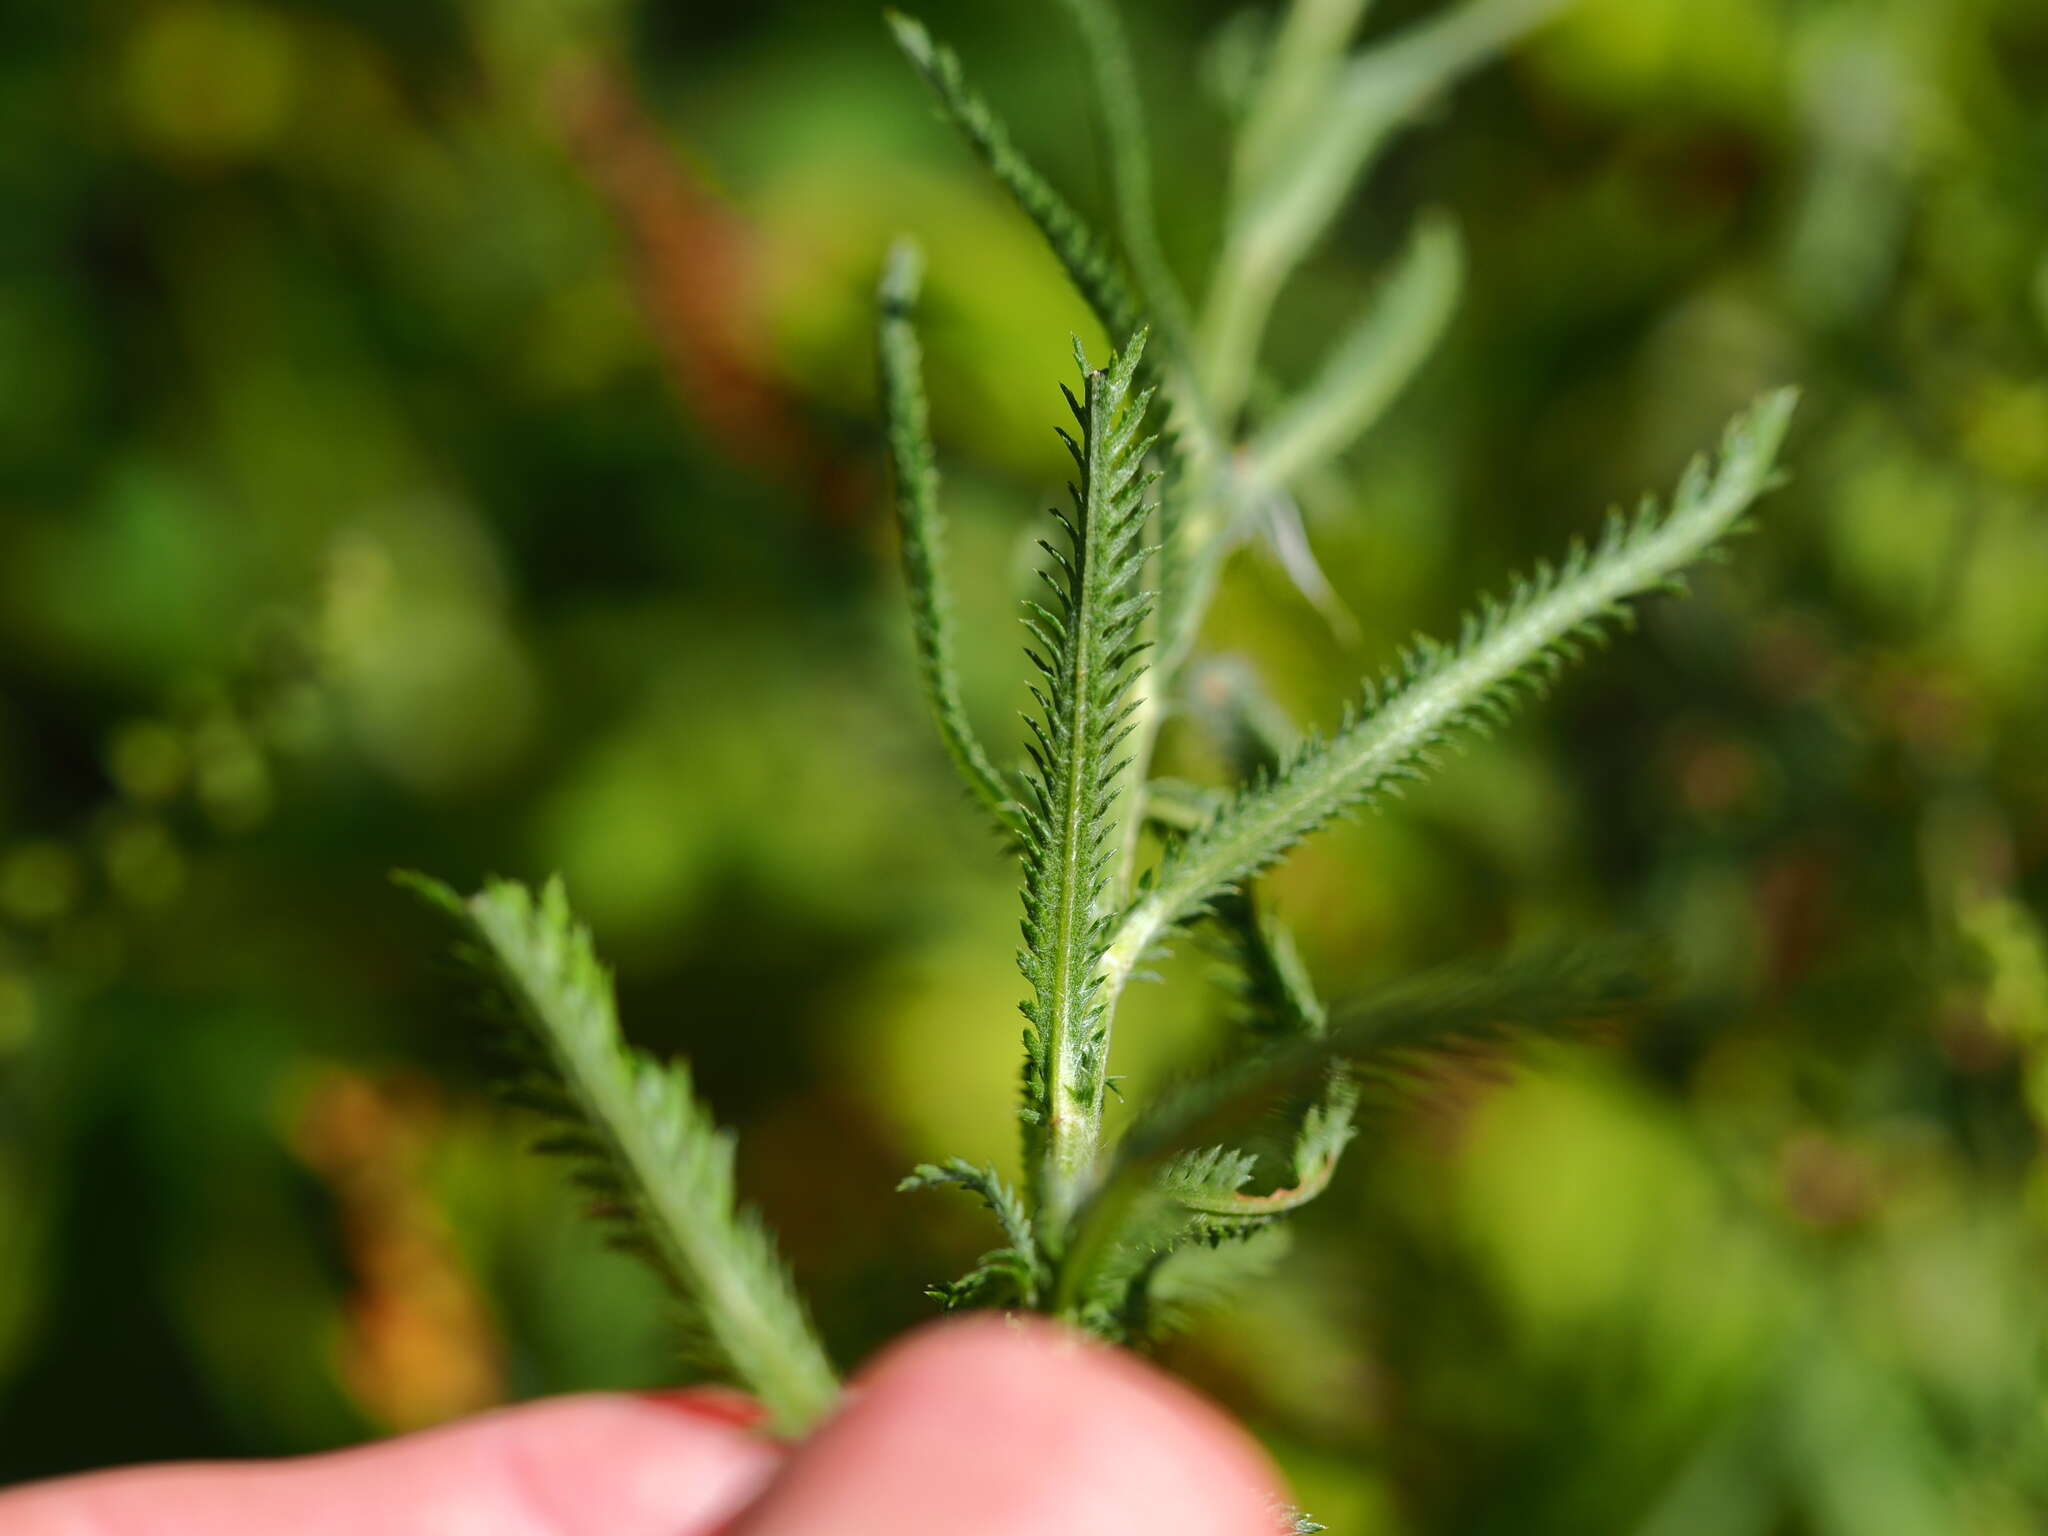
(600, 1464)
(1015, 1428)
(618, 1465)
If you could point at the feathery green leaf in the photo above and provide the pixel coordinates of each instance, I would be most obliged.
(1089, 650)
(1504, 649)
(1002, 1201)
(1018, 1266)
(1276, 999)
(1130, 157)
(1089, 265)
(1113, 1296)
(659, 1166)
(1277, 1002)
(922, 532)
(1279, 1005)
(1157, 1194)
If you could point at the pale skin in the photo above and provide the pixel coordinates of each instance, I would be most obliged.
(985, 1425)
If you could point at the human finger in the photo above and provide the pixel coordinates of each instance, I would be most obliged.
(592, 1465)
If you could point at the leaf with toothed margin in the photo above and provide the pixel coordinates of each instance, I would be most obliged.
(657, 1166)
(1017, 1267)
(1158, 1195)
(1088, 262)
(1089, 654)
(1504, 650)
(922, 531)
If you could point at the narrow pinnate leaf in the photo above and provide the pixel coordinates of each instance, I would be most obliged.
(1378, 89)
(1018, 1267)
(1276, 999)
(1209, 1175)
(1087, 648)
(1157, 1194)
(922, 532)
(1117, 95)
(1089, 264)
(1504, 649)
(1002, 1201)
(1116, 1294)
(1280, 1006)
(1192, 434)
(647, 1149)
(1326, 1130)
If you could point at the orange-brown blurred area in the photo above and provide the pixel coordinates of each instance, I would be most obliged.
(442, 436)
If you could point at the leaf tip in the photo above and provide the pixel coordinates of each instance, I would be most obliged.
(902, 276)
(911, 35)
(436, 893)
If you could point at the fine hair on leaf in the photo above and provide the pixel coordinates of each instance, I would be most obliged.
(921, 531)
(1087, 650)
(659, 1170)
(1506, 649)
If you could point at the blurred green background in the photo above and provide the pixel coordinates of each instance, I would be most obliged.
(441, 435)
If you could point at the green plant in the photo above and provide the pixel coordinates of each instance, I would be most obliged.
(1119, 1238)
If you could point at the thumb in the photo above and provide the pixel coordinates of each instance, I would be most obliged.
(1006, 1428)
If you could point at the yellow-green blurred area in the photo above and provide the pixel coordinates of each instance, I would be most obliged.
(441, 435)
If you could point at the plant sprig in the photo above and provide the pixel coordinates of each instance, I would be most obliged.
(1091, 918)
(1121, 1236)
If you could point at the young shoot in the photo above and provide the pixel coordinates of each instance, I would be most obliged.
(1176, 462)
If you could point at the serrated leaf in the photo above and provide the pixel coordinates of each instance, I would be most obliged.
(922, 531)
(646, 1147)
(1504, 650)
(1090, 660)
(1019, 1263)
(1154, 1197)
(1117, 98)
(1089, 265)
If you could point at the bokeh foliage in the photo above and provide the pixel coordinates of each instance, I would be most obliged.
(442, 436)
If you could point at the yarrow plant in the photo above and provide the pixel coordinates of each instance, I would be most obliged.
(1177, 462)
